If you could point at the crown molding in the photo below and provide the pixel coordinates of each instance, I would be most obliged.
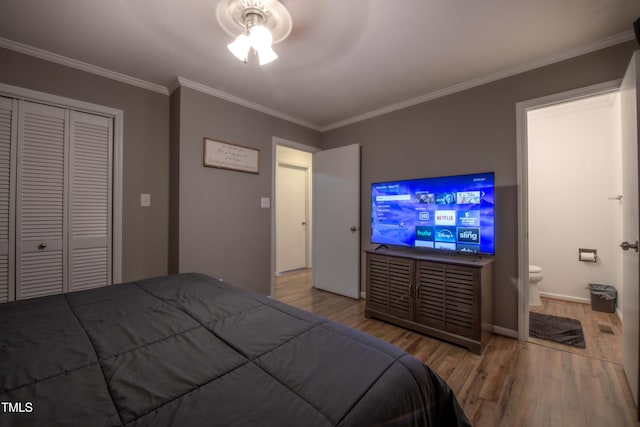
(509, 72)
(79, 65)
(175, 84)
(181, 81)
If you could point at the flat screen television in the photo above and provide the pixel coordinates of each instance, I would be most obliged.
(449, 213)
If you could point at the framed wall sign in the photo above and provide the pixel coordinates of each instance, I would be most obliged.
(218, 154)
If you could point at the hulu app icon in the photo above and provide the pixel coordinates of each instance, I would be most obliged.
(424, 233)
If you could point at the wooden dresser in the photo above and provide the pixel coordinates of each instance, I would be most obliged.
(447, 297)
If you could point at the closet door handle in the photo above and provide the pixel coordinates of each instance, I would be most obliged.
(42, 245)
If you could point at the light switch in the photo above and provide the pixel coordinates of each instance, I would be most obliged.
(265, 202)
(145, 199)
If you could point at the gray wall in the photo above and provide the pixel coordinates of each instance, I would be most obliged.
(472, 131)
(220, 228)
(216, 220)
(145, 151)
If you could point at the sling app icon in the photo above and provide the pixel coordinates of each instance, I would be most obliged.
(468, 235)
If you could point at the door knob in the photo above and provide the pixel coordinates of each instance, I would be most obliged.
(626, 246)
(353, 228)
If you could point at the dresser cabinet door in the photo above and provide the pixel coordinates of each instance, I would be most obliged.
(448, 298)
(389, 285)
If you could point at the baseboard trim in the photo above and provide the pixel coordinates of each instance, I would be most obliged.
(565, 298)
(499, 330)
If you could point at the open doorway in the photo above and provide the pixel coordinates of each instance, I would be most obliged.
(575, 222)
(293, 209)
(552, 174)
(335, 196)
(291, 213)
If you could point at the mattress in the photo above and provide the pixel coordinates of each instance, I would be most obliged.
(190, 350)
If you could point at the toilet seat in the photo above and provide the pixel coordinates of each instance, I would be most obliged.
(535, 269)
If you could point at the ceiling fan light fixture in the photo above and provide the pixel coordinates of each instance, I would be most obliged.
(240, 47)
(266, 55)
(261, 24)
(260, 37)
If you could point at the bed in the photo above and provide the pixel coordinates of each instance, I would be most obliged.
(190, 350)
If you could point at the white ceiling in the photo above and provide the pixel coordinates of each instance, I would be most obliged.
(343, 61)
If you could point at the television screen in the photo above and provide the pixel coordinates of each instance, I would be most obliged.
(454, 213)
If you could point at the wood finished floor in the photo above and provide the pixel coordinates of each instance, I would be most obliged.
(600, 345)
(513, 383)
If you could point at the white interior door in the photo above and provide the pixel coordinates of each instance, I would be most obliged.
(336, 220)
(291, 217)
(63, 212)
(41, 203)
(8, 136)
(630, 225)
(90, 201)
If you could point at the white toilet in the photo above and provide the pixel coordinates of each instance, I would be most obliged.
(535, 276)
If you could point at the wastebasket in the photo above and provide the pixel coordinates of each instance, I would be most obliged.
(603, 297)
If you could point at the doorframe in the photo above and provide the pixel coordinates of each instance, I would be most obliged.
(275, 141)
(118, 129)
(523, 185)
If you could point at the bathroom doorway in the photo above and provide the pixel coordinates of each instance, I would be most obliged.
(575, 207)
(575, 196)
(560, 178)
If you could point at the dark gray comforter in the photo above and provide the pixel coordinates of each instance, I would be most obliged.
(190, 350)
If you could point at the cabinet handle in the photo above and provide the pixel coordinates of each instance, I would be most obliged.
(42, 245)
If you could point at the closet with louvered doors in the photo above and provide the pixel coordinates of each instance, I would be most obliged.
(55, 200)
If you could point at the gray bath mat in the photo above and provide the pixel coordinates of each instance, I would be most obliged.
(556, 329)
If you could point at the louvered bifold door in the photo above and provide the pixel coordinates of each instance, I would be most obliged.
(40, 198)
(90, 201)
(8, 136)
